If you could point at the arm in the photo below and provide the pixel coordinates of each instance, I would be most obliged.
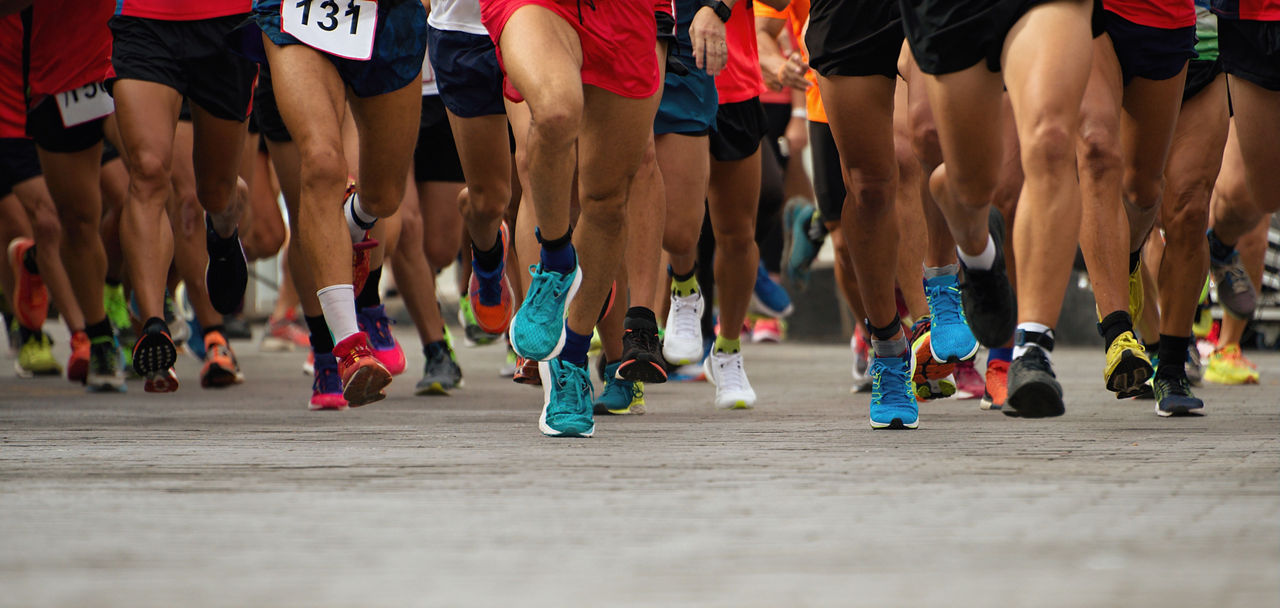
(776, 5)
(710, 51)
(778, 70)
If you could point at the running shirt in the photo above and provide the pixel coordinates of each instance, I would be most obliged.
(70, 46)
(1206, 32)
(1162, 14)
(740, 80)
(1252, 10)
(182, 10)
(457, 16)
(13, 110)
(429, 86)
(797, 16)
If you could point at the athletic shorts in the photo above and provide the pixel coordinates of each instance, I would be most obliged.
(618, 40)
(467, 73)
(191, 57)
(435, 158)
(266, 114)
(739, 128)
(399, 45)
(1149, 52)
(1200, 74)
(44, 125)
(854, 37)
(18, 163)
(828, 177)
(952, 35)
(1250, 50)
(689, 99)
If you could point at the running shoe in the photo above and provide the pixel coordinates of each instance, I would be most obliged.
(285, 333)
(682, 340)
(950, 340)
(220, 367)
(969, 383)
(78, 365)
(1203, 323)
(1033, 389)
(512, 363)
(153, 357)
(1128, 368)
(440, 373)
(997, 385)
(567, 400)
(117, 307)
(768, 297)
(35, 358)
(930, 390)
(1227, 365)
(227, 275)
(618, 397)
(990, 306)
(766, 329)
(374, 322)
(801, 247)
(179, 329)
(309, 366)
(326, 389)
(861, 363)
(527, 372)
(492, 300)
(360, 254)
(363, 376)
(733, 390)
(537, 329)
(472, 335)
(926, 366)
(1136, 294)
(1174, 398)
(641, 359)
(1235, 290)
(30, 297)
(1195, 368)
(105, 366)
(893, 403)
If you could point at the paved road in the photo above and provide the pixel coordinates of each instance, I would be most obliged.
(242, 497)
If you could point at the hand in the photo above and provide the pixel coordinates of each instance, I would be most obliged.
(791, 73)
(710, 51)
(797, 134)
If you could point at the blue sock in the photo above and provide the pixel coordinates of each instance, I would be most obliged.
(561, 260)
(575, 348)
(1000, 354)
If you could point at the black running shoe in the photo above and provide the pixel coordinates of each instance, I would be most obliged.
(641, 351)
(228, 272)
(987, 296)
(1174, 398)
(1034, 391)
(154, 356)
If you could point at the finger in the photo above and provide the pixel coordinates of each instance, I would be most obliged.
(698, 48)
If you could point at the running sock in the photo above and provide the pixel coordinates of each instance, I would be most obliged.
(887, 332)
(982, 261)
(29, 260)
(339, 305)
(98, 330)
(368, 296)
(640, 312)
(205, 331)
(1173, 356)
(725, 345)
(558, 253)
(1135, 258)
(685, 285)
(321, 339)
(1020, 346)
(1151, 347)
(1219, 250)
(932, 272)
(358, 220)
(489, 260)
(1004, 353)
(114, 282)
(431, 349)
(891, 348)
(575, 348)
(1112, 326)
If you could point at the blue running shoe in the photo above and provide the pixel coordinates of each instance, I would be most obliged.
(801, 248)
(893, 402)
(769, 298)
(567, 400)
(537, 329)
(619, 396)
(950, 338)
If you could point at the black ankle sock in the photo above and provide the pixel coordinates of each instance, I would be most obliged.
(113, 282)
(155, 324)
(431, 348)
(1219, 250)
(640, 312)
(1151, 347)
(1135, 258)
(555, 244)
(99, 329)
(1173, 356)
(204, 331)
(686, 276)
(369, 295)
(1113, 325)
(490, 259)
(29, 260)
(887, 332)
(321, 339)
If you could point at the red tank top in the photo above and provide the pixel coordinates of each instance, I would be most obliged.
(182, 10)
(70, 45)
(13, 112)
(741, 78)
(1163, 14)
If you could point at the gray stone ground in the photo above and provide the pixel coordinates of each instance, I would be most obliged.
(242, 497)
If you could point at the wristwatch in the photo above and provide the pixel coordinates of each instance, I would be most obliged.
(722, 10)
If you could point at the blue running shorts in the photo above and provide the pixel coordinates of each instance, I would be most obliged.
(467, 73)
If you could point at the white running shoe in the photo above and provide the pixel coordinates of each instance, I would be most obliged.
(725, 371)
(682, 340)
(861, 365)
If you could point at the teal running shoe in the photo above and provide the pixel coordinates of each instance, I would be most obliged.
(802, 248)
(537, 330)
(619, 397)
(893, 402)
(567, 400)
(950, 339)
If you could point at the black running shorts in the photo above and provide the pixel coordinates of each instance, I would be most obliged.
(44, 125)
(18, 163)
(265, 111)
(1250, 50)
(739, 128)
(1200, 74)
(1149, 52)
(854, 37)
(435, 159)
(828, 178)
(948, 36)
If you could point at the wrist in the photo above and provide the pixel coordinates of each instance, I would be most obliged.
(722, 10)
(799, 113)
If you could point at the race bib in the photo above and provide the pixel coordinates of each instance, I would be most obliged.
(89, 102)
(343, 28)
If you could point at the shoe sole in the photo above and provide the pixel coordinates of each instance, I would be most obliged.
(160, 383)
(434, 389)
(325, 408)
(544, 368)
(1035, 398)
(218, 376)
(954, 359)
(924, 391)
(1129, 379)
(641, 369)
(365, 386)
(1180, 410)
(104, 384)
(895, 425)
(154, 355)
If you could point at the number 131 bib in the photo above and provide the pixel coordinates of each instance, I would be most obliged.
(339, 27)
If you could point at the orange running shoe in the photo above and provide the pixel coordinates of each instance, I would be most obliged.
(30, 296)
(363, 376)
(220, 366)
(527, 372)
(491, 297)
(78, 365)
(927, 368)
(997, 385)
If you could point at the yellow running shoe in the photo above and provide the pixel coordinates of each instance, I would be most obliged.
(1136, 295)
(1227, 365)
(1128, 367)
(36, 356)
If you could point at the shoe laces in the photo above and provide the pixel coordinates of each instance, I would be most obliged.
(1237, 278)
(378, 325)
(489, 285)
(732, 376)
(684, 309)
(546, 281)
(643, 338)
(1036, 359)
(890, 377)
(327, 381)
(945, 304)
(574, 380)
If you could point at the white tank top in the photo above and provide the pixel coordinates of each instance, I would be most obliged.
(457, 16)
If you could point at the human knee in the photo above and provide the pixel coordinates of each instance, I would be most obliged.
(486, 201)
(870, 193)
(45, 224)
(148, 175)
(1189, 212)
(606, 207)
(1049, 149)
(215, 195)
(557, 122)
(1144, 191)
(924, 140)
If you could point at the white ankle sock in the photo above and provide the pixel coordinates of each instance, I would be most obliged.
(1029, 326)
(358, 220)
(339, 305)
(982, 261)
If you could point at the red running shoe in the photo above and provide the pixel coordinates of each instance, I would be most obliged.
(78, 366)
(363, 376)
(30, 296)
(492, 300)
